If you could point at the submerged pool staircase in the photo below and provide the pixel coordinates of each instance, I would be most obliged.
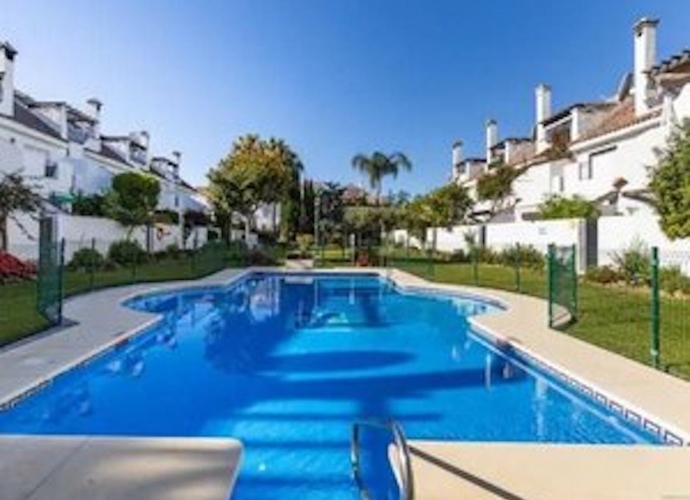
(398, 457)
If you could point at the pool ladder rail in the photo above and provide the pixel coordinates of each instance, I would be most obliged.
(400, 461)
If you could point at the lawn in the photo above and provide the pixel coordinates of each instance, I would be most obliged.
(19, 317)
(615, 318)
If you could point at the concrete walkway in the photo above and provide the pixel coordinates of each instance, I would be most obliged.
(75, 468)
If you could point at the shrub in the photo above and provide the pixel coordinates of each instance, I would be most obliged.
(304, 242)
(559, 207)
(522, 255)
(259, 257)
(633, 263)
(602, 274)
(672, 280)
(93, 205)
(126, 252)
(486, 255)
(86, 259)
(459, 256)
(172, 251)
(167, 217)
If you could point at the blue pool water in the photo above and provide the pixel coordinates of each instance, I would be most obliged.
(286, 363)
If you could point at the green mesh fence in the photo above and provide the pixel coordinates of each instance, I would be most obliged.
(50, 280)
(562, 291)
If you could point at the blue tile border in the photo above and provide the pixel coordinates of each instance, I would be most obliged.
(617, 406)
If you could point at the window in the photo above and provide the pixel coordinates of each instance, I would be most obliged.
(51, 169)
(585, 170)
(600, 160)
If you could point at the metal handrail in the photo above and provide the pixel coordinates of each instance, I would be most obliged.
(404, 467)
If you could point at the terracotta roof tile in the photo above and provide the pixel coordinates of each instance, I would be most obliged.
(620, 117)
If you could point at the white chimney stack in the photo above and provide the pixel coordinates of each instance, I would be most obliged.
(457, 159)
(645, 58)
(7, 53)
(93, 109)
(543, 109)
(457, 153)
(491, 138)
(177, 157)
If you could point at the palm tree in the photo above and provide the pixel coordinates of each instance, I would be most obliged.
(379, 165)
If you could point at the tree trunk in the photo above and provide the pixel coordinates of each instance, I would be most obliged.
(3, 234)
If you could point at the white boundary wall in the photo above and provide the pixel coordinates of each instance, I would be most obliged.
(78, 231)
(619, 233)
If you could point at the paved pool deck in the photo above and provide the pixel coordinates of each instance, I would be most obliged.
(67, 467)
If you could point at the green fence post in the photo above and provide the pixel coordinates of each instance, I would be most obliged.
(517, 268)
(656, 320)
(92, 267)
(573, 287)
(475, 265)
(61, 278)
(429, 263)
(194, 252)
(549, 283)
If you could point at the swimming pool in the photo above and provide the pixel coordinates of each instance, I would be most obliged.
(286, 363)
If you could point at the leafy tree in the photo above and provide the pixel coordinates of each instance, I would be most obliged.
(15, 196)
(378, 166)
(289, 196)
(331, 212)
(255, 171)
(132, 200)
(496, 186)
(559, 207)
(449, 205)
(363, 221)
(670, 185)
(417, 217)
(306, 219)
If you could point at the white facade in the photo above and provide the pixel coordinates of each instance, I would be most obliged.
(602, 151)
(60, 151)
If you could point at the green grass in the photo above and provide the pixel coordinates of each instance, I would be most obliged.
(615, 318)
(19, 317)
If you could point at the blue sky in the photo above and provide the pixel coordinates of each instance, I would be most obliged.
(331, 77)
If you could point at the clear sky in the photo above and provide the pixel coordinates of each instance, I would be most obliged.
(331, 77)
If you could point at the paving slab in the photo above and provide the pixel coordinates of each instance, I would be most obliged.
(526, 471)
(69, 468)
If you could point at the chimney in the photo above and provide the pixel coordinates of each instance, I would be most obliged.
(491, 138)
(93, 109)
(7, 54)
(177, 156)
(457, 158)
(509, 150)
(543, 109)
(145, 139)
(645, 58)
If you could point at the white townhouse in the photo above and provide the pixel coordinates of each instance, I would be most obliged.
(60, 149)
(600, 150)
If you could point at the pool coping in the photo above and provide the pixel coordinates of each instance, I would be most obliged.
(522, 326)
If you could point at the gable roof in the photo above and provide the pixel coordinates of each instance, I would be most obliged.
(587, 106)
(671, 64)
(620, 117)
(24, 116)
